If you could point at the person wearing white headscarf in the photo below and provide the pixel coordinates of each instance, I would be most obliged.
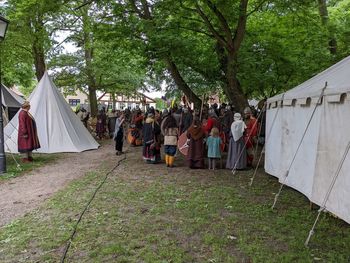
(237, 155)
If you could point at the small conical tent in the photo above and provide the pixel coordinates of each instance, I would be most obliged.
(307, 131)
(59, 129)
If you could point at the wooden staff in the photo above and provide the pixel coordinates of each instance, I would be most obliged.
(200, 116)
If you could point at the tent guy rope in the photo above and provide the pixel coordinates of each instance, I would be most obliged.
(268, 137)
(323, 206)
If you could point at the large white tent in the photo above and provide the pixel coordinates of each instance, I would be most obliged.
(59, 129)
(307, 136)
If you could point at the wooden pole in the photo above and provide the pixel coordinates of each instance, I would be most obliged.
(201, 113)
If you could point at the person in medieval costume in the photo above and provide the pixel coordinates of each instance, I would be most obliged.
(111, 121)
(186, 120)
(151, 140)
(27, 133)
(119, 134)
(237, 155)
(227, 120)
(195, 156)
(250, 135)
(165, 116)
(177, 115)
(212, 121)
(171, 133)
(101, 124)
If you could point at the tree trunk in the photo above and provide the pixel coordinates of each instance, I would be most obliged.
(88, 53)
(37, 28)
(91, 82)
(39, 60)
(232, 88)
(143, 11)
(92, 100)
(181, 83)
(228, 43)
(113, 100)
(323, 11)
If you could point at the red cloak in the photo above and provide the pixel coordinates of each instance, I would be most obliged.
(27, 134)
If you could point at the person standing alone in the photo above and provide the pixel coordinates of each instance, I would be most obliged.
(27, 133)
(119, 134)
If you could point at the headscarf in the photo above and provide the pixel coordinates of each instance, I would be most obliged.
(237, 127)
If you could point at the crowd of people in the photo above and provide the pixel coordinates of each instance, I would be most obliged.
(200, 135)
(197, 134)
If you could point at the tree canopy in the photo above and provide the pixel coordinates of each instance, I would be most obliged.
(241, 48)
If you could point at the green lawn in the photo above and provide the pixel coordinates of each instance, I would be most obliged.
(15, 167)
(148, 213)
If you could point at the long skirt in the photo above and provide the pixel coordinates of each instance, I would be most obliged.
(237, 155)
(119, 141)
(151, 153)
(195, 156)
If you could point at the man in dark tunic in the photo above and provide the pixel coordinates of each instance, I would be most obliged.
(186, 120)
(151, 140)
(226, 122)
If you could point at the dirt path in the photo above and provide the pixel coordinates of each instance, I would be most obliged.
(23, 194)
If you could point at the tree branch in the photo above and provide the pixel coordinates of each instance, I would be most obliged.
(257, 7)
(197, 31)
(241, 26)
(146, 10)
(225, 26)
(84, 4)
(24, 48)
(211, 28)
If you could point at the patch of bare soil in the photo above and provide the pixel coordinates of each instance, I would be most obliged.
(23, 194)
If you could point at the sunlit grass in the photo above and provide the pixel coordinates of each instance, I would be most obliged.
(148, 213)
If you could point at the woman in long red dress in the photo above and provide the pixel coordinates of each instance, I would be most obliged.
(27, 133)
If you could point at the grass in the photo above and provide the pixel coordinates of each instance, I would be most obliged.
(16, 168)
(148, 213)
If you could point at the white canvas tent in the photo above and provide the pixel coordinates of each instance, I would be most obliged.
(59, 129)
(325, 130)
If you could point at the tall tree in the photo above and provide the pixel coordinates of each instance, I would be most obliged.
(158, 49)
(323, 11)
(31, 29)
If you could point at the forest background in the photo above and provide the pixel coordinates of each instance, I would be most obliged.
(239, 48)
